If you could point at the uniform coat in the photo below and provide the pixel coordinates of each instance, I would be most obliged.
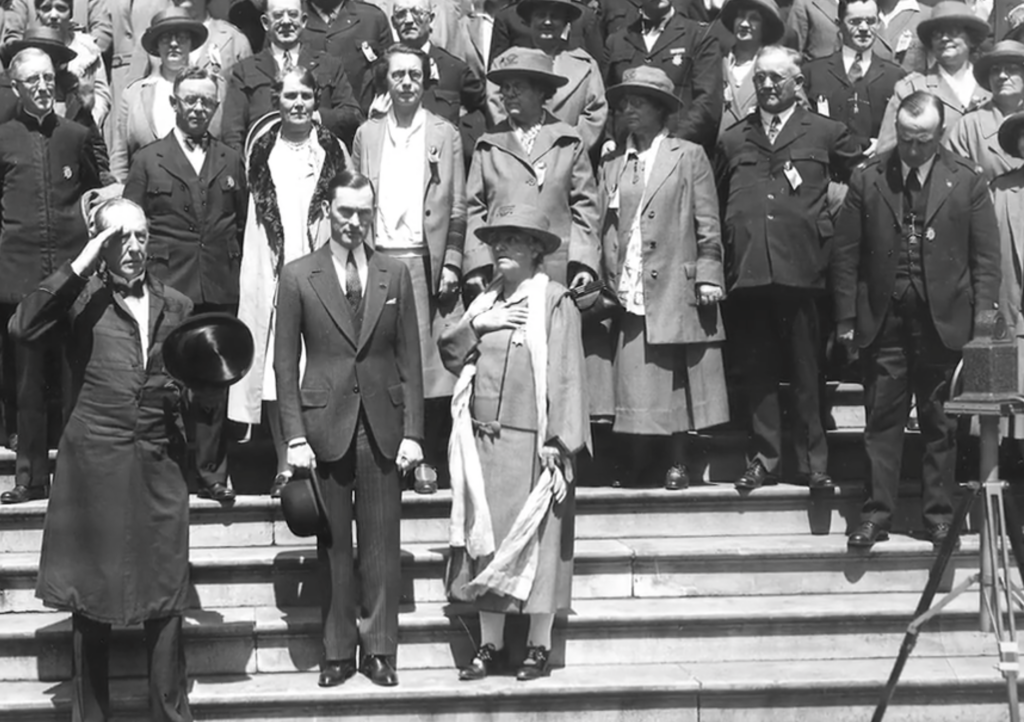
(961, 251)
(556, 178)
(976, 136)
(859, 105)
(249, 95)
(359, 35)
(115, 543)
(691, 57)
(195, 251)
(933, 83)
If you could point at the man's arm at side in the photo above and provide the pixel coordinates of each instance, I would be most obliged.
(407, 356)
(984, 253)
(287, 348)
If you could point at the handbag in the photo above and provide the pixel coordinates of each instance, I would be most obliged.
(596, 302)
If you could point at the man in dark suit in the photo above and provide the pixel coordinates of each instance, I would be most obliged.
(192, 188)
(916, 256)
(250, 88)
(774, 171)
(664, 38)
(358, 418)
(355, 31)
(853, 85)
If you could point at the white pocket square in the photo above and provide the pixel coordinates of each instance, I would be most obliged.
(391, 302)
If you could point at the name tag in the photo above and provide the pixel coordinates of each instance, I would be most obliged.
(792, 175)
(368, 52)
(903, 44)
(823, 108)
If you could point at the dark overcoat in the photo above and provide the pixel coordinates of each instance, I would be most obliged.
(115, 541)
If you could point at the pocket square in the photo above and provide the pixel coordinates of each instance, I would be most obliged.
(391, 302)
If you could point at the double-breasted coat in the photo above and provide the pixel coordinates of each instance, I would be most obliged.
(691, 58)
(115, 542)
(196, 221)
(960, 253)
(556, 178)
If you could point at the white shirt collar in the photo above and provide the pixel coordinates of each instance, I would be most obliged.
(340, 254)
(850, 55)
(923, 170)
(784, 116)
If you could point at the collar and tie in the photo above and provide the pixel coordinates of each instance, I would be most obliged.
(202, 142)
(289, 64)
(774, 127)
(857, 68)
(127, 289)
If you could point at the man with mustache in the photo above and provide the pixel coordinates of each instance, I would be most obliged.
(249, 95)
(193, 190)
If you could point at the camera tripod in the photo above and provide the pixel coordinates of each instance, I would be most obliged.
(1001, 536)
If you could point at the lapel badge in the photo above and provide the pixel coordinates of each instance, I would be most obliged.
(66, 172)
(433, 154)
(230, 183)
(930, 233)
(368, 52)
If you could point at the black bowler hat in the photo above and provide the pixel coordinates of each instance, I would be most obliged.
(42, 38)
(302, 505)
(209, 350)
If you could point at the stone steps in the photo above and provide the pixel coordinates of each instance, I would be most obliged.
(932, 690)
(269, 640)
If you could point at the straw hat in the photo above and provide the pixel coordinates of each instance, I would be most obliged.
(1005, 51)
(525, 62)
(520, 217)
(645, 80)
(771, 19)
(172, 20)
(953, 12)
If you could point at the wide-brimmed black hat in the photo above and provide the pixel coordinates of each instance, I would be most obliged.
(1005, 51)
(953, 12)
(209, 350)
(525, 7)
(173, 19)
(525, 62)
(772, 28)
(1009, 134)
(523, 218)
(44, 38)
(302, 505)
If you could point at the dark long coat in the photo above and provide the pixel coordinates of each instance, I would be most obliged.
(115, 544)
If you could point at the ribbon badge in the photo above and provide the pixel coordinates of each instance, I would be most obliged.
(66, 172)
(230, 182)
(434, 159)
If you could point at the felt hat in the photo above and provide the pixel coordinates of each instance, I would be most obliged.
(44, 38)
(1005, 51)
(771, 18)
(1009, 134)
(953, 12)
(172, 20)
(209, 351)
(572, 9)
(525, 62)
(302, 505)
(520, 217)
(645, 80)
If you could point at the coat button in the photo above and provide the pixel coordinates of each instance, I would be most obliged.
(531, 182)
(186, 209)
(771, 217)
(651, 214)
(654, 274)
(427, 213)
(654, 244)
(355, 389)
(771, 196)
(648, 60)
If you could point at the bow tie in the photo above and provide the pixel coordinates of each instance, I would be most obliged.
(202, 142)
(133, 289)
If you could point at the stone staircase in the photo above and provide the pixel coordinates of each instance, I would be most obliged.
(696, 605)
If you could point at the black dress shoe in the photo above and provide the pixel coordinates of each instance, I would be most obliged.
(280, 482)
(487, 661)
(218, 492)
(755, 477)
(939, 533)
(379, 670)
(819, 480)
(677, 478)
(21, 493)
(535, 665)
(865, 536)
(335, 673)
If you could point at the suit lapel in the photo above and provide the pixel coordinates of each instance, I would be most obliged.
(835, 67)
(216, 161)
(890, 185)
(666, 160)
(375, 130)
(173, 160)
(374, 297)
(148, 91)
(324, 280)
(756, 134)
(266, 64)
(156, 311)
(793, 129)
(671, 34)
(432, 142)
(943, 180)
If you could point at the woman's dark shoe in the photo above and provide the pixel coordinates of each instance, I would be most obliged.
(535, 665)
(487, 661)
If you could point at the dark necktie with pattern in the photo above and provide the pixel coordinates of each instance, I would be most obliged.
(857, 69)
(353, 288)
(773, 129)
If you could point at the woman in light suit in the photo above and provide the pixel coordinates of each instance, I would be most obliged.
(146, 113)
(662, 253)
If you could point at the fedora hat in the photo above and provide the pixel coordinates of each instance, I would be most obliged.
(209, 350)
(1009, 134)
(520, 217)
(525, 62)
(525, 7)
(771, 19)
(644, 80)
(173, 19)
(1005, 51)
(953, 12)
(302, 505)
(44, 38)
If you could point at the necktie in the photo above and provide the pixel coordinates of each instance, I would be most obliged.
(288, 64)
(353, 288)
(912, 187)
(773, 129)
(857, 69)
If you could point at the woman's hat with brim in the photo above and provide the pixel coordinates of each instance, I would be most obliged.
(525, 7)
(953, 12)
(643, 80)
(1009, 134)
(1005, 51)
(524, 219)
(209, 351)
(773, 29)
(525, 63)
(172, 20)
(43, 38)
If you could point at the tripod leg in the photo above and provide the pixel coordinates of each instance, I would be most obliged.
(934, 579)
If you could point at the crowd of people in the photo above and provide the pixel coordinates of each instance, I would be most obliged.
(490, 245)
